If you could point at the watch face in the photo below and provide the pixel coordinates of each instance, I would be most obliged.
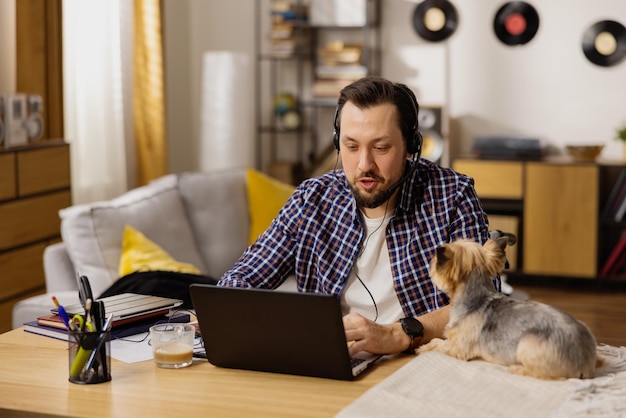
(412, 327)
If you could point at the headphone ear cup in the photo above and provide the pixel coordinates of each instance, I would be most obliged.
(415, 145)
(336, 139)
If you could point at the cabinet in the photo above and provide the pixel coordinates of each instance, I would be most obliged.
(34, 186)
(557, 204)
(307, 51)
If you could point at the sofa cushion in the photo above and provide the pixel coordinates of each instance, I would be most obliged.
(139, 254)
(217, 209)
(266, 197)
(93, 232)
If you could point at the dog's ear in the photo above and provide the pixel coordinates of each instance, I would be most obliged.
(496, 233)
(442, 255)
(502, 242)
(512, 239)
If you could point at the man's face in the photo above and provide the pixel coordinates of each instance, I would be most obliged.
(373, 153)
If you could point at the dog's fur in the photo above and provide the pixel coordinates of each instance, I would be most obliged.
(532, 338)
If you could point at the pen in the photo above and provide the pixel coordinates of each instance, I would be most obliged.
(88, 304)
(64, 317)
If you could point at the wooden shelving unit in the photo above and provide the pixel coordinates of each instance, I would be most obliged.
(292, 153)
(34, 186)
(557, 204)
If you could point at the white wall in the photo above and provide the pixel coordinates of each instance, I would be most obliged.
(545, 89)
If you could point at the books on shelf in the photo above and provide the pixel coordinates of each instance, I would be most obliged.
(285, 40)
(615, 207)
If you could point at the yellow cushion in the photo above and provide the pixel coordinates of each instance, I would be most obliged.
(141, 254)
(266, 197)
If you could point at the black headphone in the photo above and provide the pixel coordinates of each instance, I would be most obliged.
(414, 142)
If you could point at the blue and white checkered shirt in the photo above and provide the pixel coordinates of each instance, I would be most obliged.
(318, 234)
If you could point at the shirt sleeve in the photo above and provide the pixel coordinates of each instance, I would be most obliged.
(471, 221)
(269, 260)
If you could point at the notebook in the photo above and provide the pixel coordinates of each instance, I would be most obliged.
(272, 331)
(127, 307)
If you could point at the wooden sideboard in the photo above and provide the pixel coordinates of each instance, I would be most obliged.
(554, 208)
(34, 185)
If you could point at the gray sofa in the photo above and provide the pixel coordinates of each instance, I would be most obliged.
(200, 218)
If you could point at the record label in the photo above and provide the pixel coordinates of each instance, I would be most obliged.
(516, 23)
(435, 20)
(604, 43)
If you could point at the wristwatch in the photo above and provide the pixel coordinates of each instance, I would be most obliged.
(415, 330)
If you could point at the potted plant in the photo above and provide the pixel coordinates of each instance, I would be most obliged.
(620, 135)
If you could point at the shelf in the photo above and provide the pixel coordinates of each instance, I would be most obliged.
(291, 65)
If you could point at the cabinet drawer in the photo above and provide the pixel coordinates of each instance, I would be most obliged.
(494, 179)
(7, 176)
(22, 270)
(32, 219)
(43, 169)
(6, 309)
(561, 216)
(507, 224)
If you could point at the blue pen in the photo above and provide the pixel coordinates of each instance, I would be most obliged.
(64, 317)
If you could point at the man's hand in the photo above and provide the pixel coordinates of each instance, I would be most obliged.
(365, 335)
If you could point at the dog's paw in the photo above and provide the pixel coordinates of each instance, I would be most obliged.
(436, 344)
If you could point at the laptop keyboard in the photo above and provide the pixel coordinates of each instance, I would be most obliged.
(355, 361)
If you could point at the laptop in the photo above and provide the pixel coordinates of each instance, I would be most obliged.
(271, 331)
(127, 307)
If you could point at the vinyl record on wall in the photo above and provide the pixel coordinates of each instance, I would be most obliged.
(435, 20)
(430, 125)
(516, 23)
(604, 43)
(432, 147)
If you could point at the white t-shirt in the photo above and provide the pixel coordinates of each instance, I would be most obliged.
(374, 270)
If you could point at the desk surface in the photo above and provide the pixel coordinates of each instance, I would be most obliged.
(34, 380)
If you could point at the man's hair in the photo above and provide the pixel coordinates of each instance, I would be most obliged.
(373, 91)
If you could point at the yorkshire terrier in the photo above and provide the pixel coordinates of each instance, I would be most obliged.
(532, 338)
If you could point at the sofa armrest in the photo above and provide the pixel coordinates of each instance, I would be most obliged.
(58, 269)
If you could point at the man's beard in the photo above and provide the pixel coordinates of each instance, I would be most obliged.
(374, 199)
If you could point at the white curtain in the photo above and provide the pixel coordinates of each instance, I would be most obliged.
(7, 47)
(97, 89)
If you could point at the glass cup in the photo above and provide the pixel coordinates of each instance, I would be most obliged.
(172, 345)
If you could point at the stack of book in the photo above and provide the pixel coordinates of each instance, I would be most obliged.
(339, 65)
(287, 34)
(52, 325)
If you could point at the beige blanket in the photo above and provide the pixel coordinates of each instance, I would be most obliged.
(435, 385)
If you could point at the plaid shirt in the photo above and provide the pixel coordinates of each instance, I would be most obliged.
(318, 235)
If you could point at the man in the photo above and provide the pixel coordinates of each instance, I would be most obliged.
(367, 233)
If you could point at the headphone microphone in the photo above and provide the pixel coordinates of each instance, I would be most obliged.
(399, 183)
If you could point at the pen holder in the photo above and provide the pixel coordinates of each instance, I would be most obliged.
(89, 358)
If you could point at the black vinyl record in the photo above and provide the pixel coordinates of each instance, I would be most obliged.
(516, 23)
(435, 20)
(604, 43)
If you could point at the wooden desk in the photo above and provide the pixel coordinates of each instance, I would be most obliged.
(34, 383)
